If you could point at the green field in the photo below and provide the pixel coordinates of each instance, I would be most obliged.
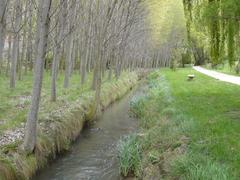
(191, 128)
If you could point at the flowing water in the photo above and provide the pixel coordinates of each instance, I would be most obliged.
(94, 155)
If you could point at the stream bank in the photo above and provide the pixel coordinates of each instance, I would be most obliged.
(94, 154)
(59, 129)
(148, 154)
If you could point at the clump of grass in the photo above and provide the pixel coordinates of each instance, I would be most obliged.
(135, 105)
(130, 155)
(7, 171)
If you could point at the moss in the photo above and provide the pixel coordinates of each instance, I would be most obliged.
(59, 129)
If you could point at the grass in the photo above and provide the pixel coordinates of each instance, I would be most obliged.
(60, 127)
(190, 128)
(197, 166)
(130, 155)
(210, 104)
(14, 103)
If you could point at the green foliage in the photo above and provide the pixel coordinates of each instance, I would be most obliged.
(225, 68)
(163, 17)
(215, 23)
(231, 44)
(129, 151)
(186, 59)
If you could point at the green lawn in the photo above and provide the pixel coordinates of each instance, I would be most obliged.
(214, 108)
(191, 128)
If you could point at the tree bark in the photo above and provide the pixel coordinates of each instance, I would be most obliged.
(22, 59)
(15, 49)
(57, 50)
(9, 54)
(31, 125)
(3, 7)
(29, 60)
(68, 64)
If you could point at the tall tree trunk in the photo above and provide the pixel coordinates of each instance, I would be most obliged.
(22, 59)
(68, 64)
(3, 7)
(9, 54)
(98, 82)
(86, 58)
(31, 125)
(15, 49)
(29, 60)
(68, 61)
(57, 50)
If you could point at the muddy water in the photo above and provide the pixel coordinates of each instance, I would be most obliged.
(94, 155)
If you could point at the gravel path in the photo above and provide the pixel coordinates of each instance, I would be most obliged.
(217, 75)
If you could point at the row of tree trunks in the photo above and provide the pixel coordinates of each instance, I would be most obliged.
(68, 36)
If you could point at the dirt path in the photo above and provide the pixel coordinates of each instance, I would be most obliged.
(217, 75)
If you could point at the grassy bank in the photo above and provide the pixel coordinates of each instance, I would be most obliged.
(189, 130)
(59, 124)
(14, 103)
